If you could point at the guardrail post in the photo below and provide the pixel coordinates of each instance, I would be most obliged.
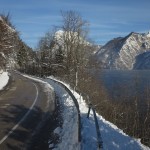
(79, 127)
(90, 105)
(99, 139)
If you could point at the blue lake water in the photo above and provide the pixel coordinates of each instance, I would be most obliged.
(126, 83)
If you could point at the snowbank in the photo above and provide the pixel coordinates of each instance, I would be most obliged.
(113, 138)
(4, 78)
(48, 89)
(69, 130)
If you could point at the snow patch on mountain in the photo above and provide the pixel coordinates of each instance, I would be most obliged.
(142, 61)
(60, 35)
(148, 34)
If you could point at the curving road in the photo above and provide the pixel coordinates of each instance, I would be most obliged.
(23, 107)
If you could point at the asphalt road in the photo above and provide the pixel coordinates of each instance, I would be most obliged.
(23, 115)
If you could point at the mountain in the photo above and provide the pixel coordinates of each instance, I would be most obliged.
(70, 36)
(142, 61)
(122, 52)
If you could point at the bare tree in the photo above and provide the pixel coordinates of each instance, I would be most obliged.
(74, 37)
(48, 48)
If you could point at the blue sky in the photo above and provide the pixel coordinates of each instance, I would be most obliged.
(108, 18)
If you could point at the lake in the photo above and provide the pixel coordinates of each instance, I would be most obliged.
(125, 83)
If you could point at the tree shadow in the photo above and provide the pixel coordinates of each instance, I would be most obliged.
(33, 131)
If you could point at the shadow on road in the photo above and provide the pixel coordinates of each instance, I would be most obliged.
(33, 133)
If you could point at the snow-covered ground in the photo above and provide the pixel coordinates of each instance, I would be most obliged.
(48, 89)
(69, 130)
(113, 138)
(4, 78)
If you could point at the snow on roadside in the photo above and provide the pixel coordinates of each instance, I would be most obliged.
(113, 137)
(69, 130)
(48, 89)
(4, 78)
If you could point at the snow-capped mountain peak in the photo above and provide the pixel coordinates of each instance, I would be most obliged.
(120, 53)
(148, 34)
(59, 34)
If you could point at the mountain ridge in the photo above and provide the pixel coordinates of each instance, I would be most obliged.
(120, 53)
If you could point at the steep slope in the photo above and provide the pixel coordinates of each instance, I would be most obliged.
(142, 61)
(8, 35)
(13, 51)
(120, 53)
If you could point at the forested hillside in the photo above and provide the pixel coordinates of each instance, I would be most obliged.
(14, 53)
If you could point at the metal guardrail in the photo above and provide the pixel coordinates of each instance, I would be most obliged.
(99, 138)
(76, 104)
